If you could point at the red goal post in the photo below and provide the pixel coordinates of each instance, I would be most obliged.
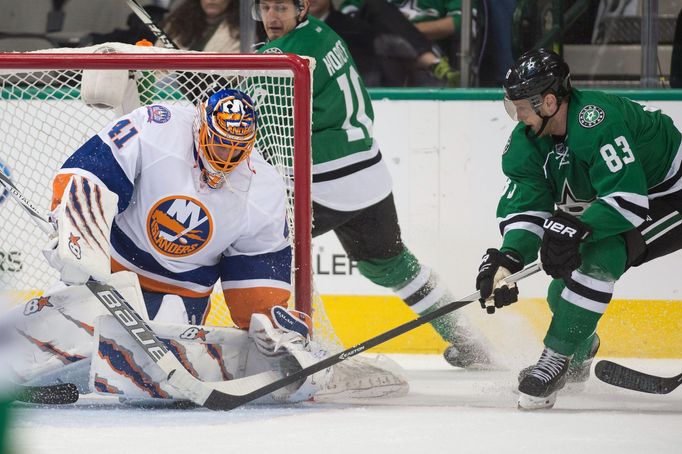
(32, 123)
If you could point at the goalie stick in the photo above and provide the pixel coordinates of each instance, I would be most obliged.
(146, 19)
(228, 395)
(624, 377)
(59, 394)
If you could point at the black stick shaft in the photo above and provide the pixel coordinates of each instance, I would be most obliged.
(216, 401)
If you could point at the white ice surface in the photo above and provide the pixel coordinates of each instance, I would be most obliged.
(447, 410)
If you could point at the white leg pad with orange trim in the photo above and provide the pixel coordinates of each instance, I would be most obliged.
(210, 353)
(56, 330)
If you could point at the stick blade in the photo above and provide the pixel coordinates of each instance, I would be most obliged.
(60, 394)
(624, 377)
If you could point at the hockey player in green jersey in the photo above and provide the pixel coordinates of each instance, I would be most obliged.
(594, 184)
(352, 188)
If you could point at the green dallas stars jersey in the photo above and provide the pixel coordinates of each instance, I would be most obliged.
(342, 110)
(348, 170)
(616, 155)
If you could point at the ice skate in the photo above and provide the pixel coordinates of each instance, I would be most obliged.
(538, 389)
(578, 372)
(466, 349)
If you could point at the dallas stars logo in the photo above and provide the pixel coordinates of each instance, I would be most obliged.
(590, 116)
(570, 203)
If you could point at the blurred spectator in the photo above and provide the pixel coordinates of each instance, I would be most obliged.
(676, 60)
(136, 30)
(496, 52)
(438, 20)
(205, 25)
(388, 49)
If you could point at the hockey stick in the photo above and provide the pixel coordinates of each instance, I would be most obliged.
(235, 401)
(624, 377)
(59, 394)
(208, 394)
(146, 19)
(229, 395)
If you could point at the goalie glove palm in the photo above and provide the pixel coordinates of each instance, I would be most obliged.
(560, 251)
(494, 268)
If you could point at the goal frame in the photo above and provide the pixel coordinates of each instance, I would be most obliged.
(302, 110)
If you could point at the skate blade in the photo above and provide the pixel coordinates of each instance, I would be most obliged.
(530, 403)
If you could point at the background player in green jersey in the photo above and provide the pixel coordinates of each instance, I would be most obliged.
(613, 170)
(351, 188)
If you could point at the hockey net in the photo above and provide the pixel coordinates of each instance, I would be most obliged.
(44, 120)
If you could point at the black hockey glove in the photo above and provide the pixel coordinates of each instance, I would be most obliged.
(496, 266)
(560, 251)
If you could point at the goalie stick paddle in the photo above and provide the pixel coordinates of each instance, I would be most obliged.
(146, 19)
(59, 394)
(624, 377)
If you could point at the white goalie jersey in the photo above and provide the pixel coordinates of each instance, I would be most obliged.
(178, 235)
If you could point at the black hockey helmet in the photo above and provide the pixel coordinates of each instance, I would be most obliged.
(536, 73)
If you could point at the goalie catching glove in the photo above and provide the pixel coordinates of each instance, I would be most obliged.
(560, 251)
(80, 249)
(494, 268)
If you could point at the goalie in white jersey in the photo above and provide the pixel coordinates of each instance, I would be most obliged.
(179, 197)
(194, 204)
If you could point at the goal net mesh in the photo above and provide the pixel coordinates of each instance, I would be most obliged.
(44, 120)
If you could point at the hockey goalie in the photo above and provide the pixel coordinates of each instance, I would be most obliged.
(163, 204)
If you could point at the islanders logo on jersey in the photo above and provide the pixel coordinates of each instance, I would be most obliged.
(157, 114)
(178, 226)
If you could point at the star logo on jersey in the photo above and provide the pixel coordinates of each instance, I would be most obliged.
(36, 305)
(572, 204)
(590, 116)
(178, 226)
(74, 247)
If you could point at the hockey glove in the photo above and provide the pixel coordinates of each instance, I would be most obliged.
(560, 251)
(495, 267)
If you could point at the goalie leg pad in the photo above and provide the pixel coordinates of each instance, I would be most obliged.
(56, 329)
(207, 352)
(121, 367)
(365, 377)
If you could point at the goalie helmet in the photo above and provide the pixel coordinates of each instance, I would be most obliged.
(225, 132)
(533, 75)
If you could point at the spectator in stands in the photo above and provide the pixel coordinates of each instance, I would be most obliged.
(136, 30)
(496, 51)
(438, 20)
(388, 49)
(207, 25)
